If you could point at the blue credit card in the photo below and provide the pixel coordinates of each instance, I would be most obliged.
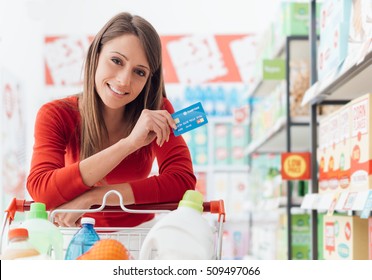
(189, 118)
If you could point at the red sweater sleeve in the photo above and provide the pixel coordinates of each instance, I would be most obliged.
(50, 181)
(176, 173)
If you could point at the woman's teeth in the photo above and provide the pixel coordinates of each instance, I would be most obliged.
(116, 90)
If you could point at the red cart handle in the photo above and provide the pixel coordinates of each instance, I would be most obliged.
(214, 207)
(17, 205)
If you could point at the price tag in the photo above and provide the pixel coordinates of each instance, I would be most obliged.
(364, 50)
(333, 204)
(349, 62)
(325, 201)
(349, 201)
(367, 206)
(309, 201)
(310, 94)
(329, 79)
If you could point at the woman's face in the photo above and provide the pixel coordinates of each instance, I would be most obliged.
(122, 71)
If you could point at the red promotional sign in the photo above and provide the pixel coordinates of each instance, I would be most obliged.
(329, 237)
(347, 231)
(295, 166)
(188, 59)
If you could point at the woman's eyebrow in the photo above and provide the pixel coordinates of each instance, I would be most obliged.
(140, 65)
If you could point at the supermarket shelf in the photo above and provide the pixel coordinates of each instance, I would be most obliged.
(338, 201)
(264, 87)
(275, 139)
(230, 168)
(201, 168)
(277, 202)
(221, 168)
(351, 81)
(297, 45)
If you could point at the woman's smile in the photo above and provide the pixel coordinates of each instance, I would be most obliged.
(117, 91)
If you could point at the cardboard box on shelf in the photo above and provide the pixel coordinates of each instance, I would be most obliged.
(370, 238)
(301, 236)
(320, 232)
(360, 29)
(282, 240)
(343, 150)
(345, 238)
(221, 144)
(295, 18)
(333, 50)
(345, 147)
(334, 35)
(361, 143)
(324, 154)
(239, 141)
(333, 162)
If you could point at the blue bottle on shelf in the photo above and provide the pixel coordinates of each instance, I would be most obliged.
(83, 239)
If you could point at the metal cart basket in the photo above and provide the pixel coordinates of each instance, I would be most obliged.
(131, 237)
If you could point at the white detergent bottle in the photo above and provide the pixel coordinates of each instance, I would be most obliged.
(183, 234)
(43, 234)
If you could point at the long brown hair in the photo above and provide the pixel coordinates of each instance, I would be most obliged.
(93, 128)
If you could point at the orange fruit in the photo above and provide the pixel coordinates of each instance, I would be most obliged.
(106, 249)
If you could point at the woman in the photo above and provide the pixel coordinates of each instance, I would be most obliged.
(107, 137)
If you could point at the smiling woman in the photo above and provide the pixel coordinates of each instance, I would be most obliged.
(122, 72)
(107, 137)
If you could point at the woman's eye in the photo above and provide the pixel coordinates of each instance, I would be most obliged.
(141, 73)
(116, 61)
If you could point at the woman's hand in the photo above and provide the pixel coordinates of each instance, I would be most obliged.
(150, 125)
(69, 219)
(93, 197)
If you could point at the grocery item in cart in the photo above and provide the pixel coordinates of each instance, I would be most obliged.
(19, 246)
(43, 234)
(106, 249)
(181, 234)
(83, 240)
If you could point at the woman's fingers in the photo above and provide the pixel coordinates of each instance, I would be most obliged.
(159, 122)
(162, 128)
(66, 219)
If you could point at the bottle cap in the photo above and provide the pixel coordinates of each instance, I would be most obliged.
(87, 220)
(17, 232)
(192, 199)
(38, 211)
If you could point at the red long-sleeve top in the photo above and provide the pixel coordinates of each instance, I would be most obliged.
(55, 177)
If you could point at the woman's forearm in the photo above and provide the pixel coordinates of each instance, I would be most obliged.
(125, 189)
(97, 166)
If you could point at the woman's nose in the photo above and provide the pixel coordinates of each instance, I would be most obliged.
(123, 77)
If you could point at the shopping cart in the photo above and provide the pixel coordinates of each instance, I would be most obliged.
(132, 237)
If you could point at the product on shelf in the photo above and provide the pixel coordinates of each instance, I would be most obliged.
(295, 18)
(334, 35)
(370, 238)
(345, 238)
(345, 147)
(360, 28)
(221, 143)
(299, 83)
(301, 236)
